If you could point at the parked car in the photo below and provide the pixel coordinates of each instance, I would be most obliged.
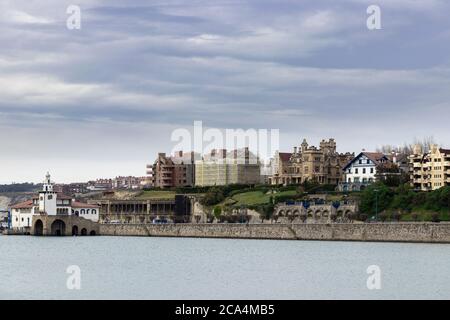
(159, 221)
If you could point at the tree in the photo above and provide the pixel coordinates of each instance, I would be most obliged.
(415, 216)
(217, 212)
(404, 198)
(266, 211)
(212, 197)
(375, 198)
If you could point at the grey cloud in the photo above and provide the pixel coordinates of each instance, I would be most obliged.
(136, 71)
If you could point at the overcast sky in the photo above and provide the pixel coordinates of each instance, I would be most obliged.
(103, 100)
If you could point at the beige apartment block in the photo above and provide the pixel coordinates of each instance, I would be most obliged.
(221, 168)
(431, 170)
(308, 163)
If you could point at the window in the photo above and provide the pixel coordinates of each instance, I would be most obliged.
(368, 161)
(364, 170)
(360, 161)
(356, 171)
(371, 170)
(50, 197)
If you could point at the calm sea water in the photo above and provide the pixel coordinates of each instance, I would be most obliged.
(176, 268)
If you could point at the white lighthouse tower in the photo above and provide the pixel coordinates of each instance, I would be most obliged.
(47, 197)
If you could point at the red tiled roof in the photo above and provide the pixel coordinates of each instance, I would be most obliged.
(23, 205)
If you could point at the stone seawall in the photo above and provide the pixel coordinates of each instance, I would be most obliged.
(398, 232)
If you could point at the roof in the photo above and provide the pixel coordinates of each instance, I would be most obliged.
(23, 205)
(444, 151)
(375, 157)
(285, 156)
(77, 204)
(59, 196)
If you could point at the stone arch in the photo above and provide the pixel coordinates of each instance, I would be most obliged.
(58, 228)
(310, 214)
(340, 214)
(84, 232)
(75, 230)
(38, 228)
(317, 213)
(325, 213)
(296, 212)
(92, 233)
(348, 212)
(281, 213)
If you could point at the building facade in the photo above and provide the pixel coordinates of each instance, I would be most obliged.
(431, 170)
(308, 163)
(363, 170)
(50, 203)
(144, 211)
(221, 168)
(172, 171)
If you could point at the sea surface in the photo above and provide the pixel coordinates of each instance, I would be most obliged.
(180, 268)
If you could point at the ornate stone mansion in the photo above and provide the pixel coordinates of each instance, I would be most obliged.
(309, 163)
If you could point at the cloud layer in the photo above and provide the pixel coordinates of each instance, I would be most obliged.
(101, 101)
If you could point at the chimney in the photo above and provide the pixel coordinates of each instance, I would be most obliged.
(295, 149)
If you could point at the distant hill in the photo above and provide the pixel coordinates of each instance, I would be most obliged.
(19, 187)
(10, 198)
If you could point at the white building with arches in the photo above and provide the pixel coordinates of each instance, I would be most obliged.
(49, 202)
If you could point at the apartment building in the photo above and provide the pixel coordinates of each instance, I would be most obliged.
(223, 168)
(309, 163)
(172, 171)
(431, 170)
